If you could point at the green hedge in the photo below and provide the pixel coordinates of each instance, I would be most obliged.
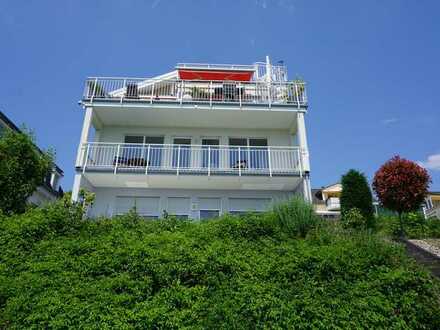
(57, 271)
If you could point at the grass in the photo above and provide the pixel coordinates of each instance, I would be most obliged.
(57, 271)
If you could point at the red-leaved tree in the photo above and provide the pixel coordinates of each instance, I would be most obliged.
(401, 185)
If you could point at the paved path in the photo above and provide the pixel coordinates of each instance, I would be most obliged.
(424, 258)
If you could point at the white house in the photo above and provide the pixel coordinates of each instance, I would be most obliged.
(51, 189)
(199, 141)
(326, 201)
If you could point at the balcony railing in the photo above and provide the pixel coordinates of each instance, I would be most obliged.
(190, 159)
(192, 91)
(333, 203)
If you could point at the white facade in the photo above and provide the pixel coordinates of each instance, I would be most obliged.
(195, 149)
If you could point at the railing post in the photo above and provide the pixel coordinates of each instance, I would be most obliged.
(117, 158)
(182, 91)
(269, 161)
(239, 93)
(209, 160)
(299, 155)
(239, 162)
(87, 156)
(269, 95)
(210, 94)
(124, 87)
(148, 159)
(178, 159)
(94, 89)
(152, 92)
(297, 94)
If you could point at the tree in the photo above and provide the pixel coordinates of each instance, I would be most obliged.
(356, 193)
(401, 185)
(22, 168)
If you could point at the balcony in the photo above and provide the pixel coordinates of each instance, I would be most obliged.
(190, 159)
(333, 204)
(240, 94)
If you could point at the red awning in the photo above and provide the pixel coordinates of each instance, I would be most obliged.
(235, 75)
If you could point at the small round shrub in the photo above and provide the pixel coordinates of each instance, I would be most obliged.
(353, 219)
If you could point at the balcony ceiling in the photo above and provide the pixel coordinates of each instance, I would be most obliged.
(109, 180)
(195, 117)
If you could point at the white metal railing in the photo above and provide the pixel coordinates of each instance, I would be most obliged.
(209, 160)
(433, 212)
(195, 91)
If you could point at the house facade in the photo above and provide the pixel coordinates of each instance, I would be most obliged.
(197, 142)
(51, 189)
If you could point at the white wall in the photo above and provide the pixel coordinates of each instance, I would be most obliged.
(106, 198)
(116, 134)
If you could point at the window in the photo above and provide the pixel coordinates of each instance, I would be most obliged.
(253, 153)
(179, 207)
(135, 151)
(210, 154)
(245, 205)
(209, 214)
(209, 208)
(182, 152)
(147, 207)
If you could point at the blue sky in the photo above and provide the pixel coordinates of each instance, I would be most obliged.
(372, 67)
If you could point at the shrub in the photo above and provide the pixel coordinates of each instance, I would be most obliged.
(22, 169)
(296, 216)
(357, 194)
(416, 226)
(401, 185)
(354, 219)
(233, 272)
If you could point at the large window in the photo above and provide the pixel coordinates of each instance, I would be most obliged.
(142, 150)
(210, 155)
(245, 205)
(209, 208)
(179, 207)
(182, 152)
(147, 207)
(248, 153)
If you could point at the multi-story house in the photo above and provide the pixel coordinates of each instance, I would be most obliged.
(326, 201)
(199, 141)
(50, 190)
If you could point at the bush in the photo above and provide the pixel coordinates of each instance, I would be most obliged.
(296, 216)
(357, 194)
(58, 271)
(22, 168)
(353, 219)
(416, 226)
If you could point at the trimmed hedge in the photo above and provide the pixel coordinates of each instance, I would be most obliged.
(57, 271)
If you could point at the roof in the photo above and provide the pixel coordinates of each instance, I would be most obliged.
(14, 127)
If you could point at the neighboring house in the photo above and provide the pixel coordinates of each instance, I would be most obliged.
(432, 205)
(326, 201)
(196, 142)
(50, 189)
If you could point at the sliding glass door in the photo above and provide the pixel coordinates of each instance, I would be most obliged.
(210, 153)
(248, 153)
(182, 152)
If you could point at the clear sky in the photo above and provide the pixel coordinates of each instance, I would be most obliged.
(372, 67)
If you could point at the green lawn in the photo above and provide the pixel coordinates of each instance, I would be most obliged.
(58, 272)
